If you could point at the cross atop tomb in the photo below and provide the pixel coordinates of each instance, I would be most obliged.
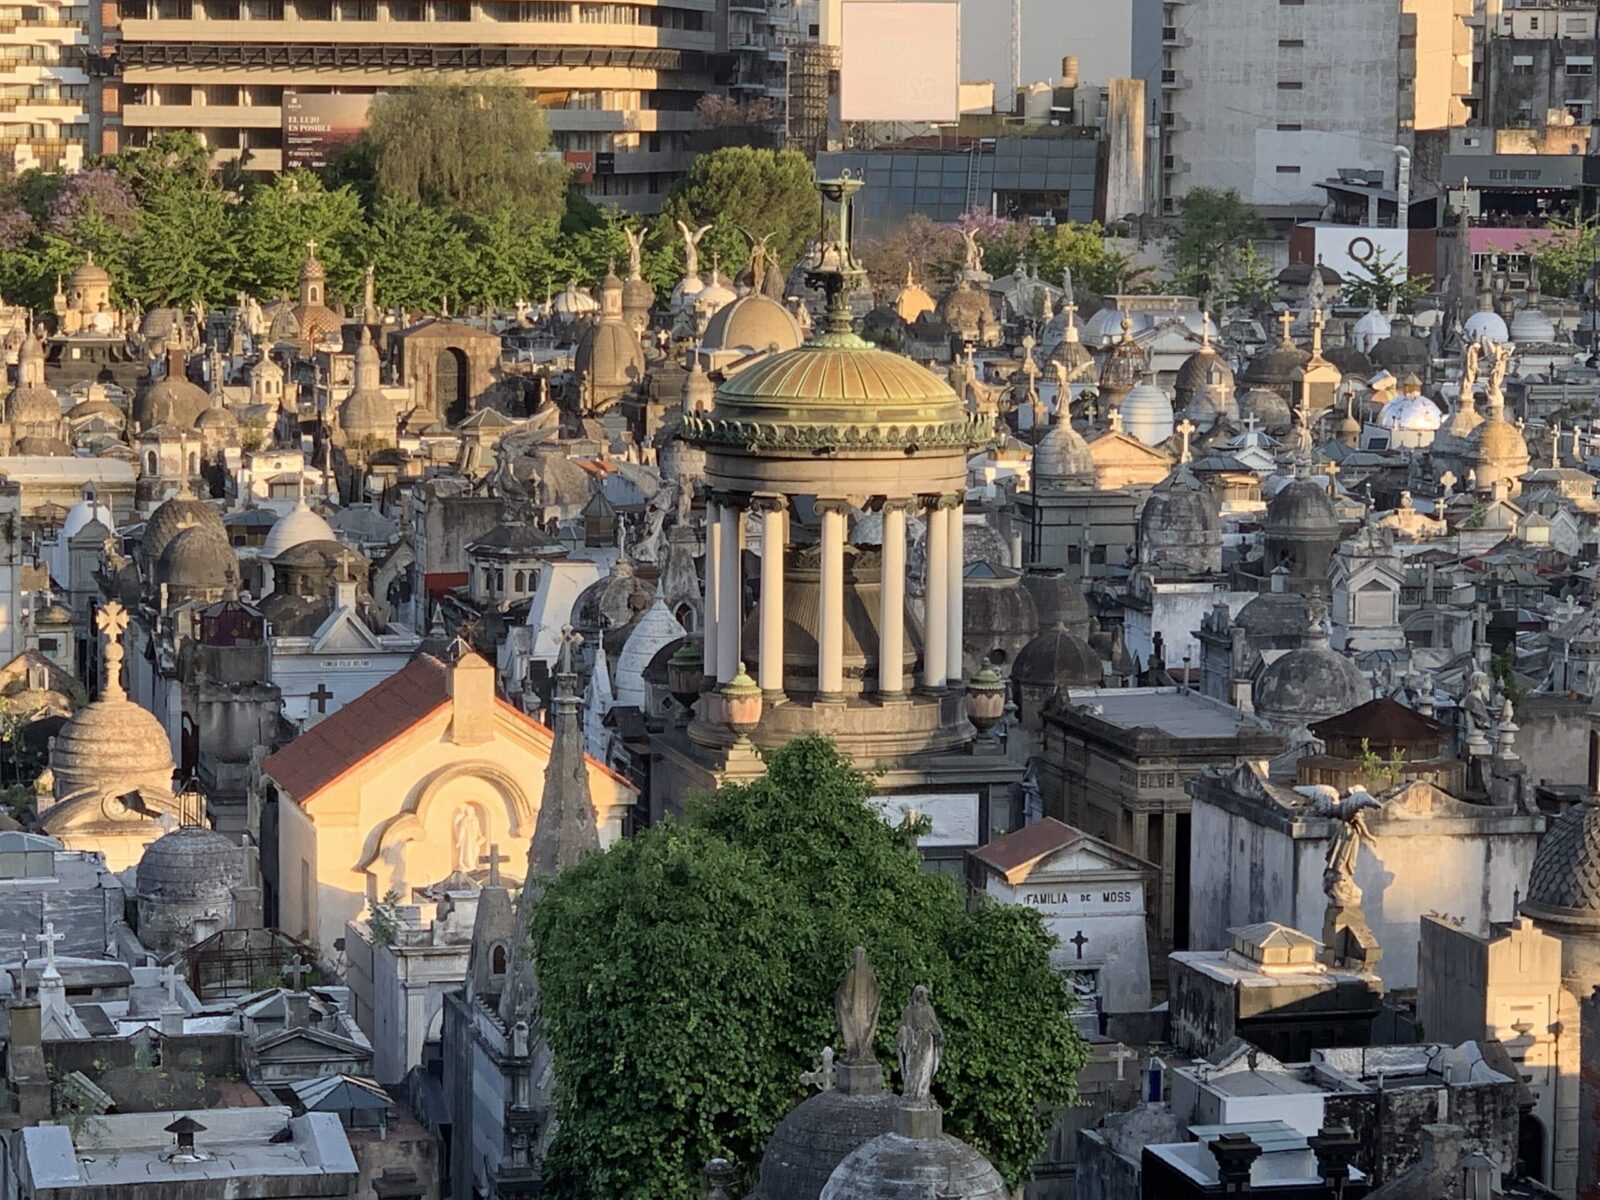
(822, 1077)
(1120, 1056)
(111, 621)
(494, 858)
(47, 940)
(297, 971)
(1185, 427)
(1286, 319)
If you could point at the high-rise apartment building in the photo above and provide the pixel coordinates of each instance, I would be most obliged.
(45, 87)
(619, 79)
(1272, 97)
(786, 58)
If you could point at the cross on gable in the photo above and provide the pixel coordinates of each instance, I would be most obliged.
(297, 971)
(322, 695)
(494, 858)
(47, 940)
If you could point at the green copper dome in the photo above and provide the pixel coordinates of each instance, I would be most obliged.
(837, 391)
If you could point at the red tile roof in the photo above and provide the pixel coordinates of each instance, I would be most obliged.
(341, 742)
(1026, 845)
(361, 728)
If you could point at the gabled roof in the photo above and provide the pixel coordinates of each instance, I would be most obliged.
(349, 737)
(1384, 721)
(1016, 854)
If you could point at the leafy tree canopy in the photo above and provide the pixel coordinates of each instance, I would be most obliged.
(478, 148)
(1213, 229)
(687, 978)
(286, 214)
(757, 193)
(1566, 260)
(1383, 278)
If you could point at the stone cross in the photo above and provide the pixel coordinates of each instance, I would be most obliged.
(822, 1077)
(321, 695)
(1079, 941)
(48, 940)
(297, 971)
(1120, 1056)
(1185, 427)
(494, 858)
(1286, 319)
(112, 620)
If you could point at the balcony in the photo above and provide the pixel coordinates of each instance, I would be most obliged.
(202, 116)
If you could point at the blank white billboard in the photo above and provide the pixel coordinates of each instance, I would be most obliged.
(902, 61)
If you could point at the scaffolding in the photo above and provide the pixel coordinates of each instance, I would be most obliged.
(813, 76)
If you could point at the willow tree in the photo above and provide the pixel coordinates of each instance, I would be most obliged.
(479, 148)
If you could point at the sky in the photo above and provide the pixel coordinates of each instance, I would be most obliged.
(1050, 29)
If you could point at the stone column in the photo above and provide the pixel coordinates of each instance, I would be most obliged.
(830, 626)
(729, 598)
(774, 537)
(892, 600)
(957, 580)
(936, 598)
(713, 585)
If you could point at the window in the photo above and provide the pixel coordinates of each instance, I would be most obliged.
(49, 645)
(1580, 64)
(1290, 127)
(520, 581)
(497, 964)
(1097, 555)
(1533, 24)
(1075, 555)
(1287, 169)
(1290, 85)
(1522, 64)
(1291, 43)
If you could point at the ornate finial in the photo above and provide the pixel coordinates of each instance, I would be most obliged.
(570, 638)
(111, 620)
(856, 1006)
(837, 272)
(822, 1077)
(920, 1044)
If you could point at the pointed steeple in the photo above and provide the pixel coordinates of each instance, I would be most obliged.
(564, 831)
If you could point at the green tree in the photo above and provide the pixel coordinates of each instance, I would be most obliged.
(1083, 250)
(1213, 228)
(281, 217)
(477, 148)
(171, 160)
(415, 251)
(760, 193)
(1382, 278)
(186, 250)
(1251, 281)
(687, 978)
(1565, 260)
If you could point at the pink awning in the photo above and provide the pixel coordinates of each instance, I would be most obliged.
(1489, 240)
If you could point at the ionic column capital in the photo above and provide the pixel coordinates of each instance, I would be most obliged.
(725, 499)
(824, 506)
(763, 503)
(902, 504)
(945, 501)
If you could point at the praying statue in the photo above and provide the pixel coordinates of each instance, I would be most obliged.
(856, 1005)
(920, 1043)
(468, 839)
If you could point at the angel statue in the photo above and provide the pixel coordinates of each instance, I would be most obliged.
(974, 252)
(635, 252)
(691, 249)
(1469, 368)
(1499, 363)
(856, 1005)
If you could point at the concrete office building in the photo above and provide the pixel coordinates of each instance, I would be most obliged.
(1273, 96)
(619, 80)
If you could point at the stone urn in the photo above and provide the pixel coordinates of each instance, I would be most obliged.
(685, 670)
(986, 702)
(741, 705)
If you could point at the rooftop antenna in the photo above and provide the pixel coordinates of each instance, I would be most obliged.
(1016, 49)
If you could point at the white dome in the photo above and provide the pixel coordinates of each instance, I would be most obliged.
(80, 514)
(716, 295)
(1531, 325)
(688, 289)
(295, 527)
(574, 303)
(1413, 412)
(1105, 327)
(1147, 414)
(656, 629)
(1371, 329)
(1487, 324)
